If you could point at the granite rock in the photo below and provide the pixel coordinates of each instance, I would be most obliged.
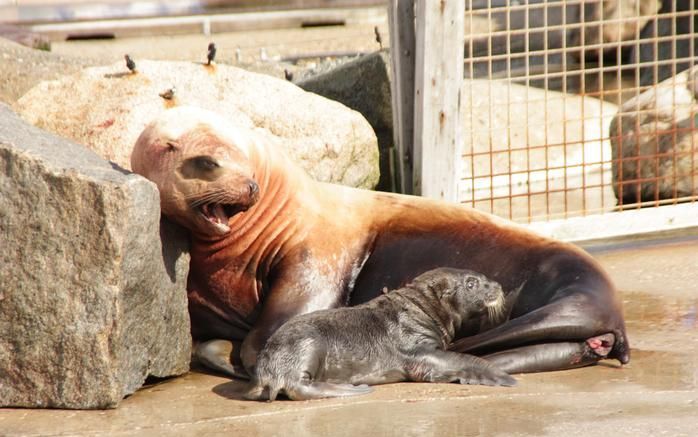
(106, 108)
(363, 84)
(91, 301)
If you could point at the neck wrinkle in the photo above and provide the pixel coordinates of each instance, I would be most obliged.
(255, 233)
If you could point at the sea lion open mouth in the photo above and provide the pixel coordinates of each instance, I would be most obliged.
(215, 208)
(218, 214)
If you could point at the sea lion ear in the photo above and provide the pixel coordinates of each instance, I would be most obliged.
(444, 285)
(171, 146)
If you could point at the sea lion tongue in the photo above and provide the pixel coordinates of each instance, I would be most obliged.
(216, 214)
(219, 214)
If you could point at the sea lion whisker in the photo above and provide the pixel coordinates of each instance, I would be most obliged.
(205, 195)
(494, 312)
(217, 196)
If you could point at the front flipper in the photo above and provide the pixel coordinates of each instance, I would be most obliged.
(293, 293)
(553, 356)
(304, 391)
(444, 366)
(218, 355)
(320, 390)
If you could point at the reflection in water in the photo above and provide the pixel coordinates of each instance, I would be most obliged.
(648, 311)
(664, 370)
(663, 357)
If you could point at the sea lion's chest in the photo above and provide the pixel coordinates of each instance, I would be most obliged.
(234, 285)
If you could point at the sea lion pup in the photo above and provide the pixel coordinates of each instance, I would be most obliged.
(269, 243)
(399, 336)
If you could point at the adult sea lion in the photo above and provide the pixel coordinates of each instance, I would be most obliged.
(269, 243)
(400, 336)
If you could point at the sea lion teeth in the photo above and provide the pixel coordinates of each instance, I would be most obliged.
(219, 214)
(222, 228)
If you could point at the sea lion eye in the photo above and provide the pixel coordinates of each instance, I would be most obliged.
(206, 163)
(471, 284)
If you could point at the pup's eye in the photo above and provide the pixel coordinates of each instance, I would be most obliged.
(471, 283)
(206, 163)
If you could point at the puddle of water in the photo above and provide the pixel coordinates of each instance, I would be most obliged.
(665, 269)
(664, 345)
(660, 370)
(648, 312)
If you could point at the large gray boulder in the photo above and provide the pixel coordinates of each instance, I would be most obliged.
(654, 142)
(106, 108)
(363, 84)
(91, 302)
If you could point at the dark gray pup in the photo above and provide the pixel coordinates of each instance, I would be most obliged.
(399, 336)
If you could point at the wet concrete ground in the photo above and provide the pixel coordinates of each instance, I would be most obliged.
(656, 394)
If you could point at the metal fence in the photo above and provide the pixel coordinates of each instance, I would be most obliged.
(569, 107)
(578, 107)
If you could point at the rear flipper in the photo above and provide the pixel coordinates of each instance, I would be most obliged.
(566, 320)
(553, 356)
(303, 391)
(444, 366)
(217, 355)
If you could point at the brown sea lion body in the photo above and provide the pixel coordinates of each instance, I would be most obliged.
(399, 336)
(268, 243)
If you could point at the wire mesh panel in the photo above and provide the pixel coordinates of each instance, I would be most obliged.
(578, 107)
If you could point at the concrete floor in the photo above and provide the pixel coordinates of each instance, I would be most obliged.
(656, 394)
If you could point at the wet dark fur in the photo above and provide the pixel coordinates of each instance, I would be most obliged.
(402, 335)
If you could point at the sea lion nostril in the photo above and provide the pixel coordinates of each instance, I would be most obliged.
(253, 187)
